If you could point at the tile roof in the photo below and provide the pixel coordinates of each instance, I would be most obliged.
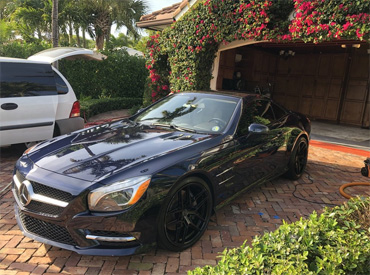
(163, 17)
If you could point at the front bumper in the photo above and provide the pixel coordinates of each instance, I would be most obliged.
(75, 228)
(26, 224)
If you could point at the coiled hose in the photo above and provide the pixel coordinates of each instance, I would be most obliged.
(344, 186)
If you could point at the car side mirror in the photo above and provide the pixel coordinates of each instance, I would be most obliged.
(258, 128)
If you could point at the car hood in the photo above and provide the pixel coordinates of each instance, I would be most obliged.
(95, 153)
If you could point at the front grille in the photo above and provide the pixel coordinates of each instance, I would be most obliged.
(40, 207)
(47, 191)
(51, 192)
(46, 230)
(43, 207)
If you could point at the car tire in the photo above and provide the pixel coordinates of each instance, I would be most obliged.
(298, 160)
(185, 214)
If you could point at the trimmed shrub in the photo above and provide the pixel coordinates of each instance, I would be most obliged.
(336, 242)
(91, 107)
(119, 75)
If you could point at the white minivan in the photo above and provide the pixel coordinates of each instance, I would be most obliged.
(36, 101)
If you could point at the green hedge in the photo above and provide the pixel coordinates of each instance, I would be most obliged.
(91, 107)
(119, 75)
(21, 49)
(336, 242)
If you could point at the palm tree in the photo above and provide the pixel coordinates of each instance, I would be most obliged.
(54, 24)
(104, 13)
(128, 14)
(32, 16)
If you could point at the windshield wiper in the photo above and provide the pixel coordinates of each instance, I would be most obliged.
(161, 125)
(183, 129)
(174, 126)
(151, 118)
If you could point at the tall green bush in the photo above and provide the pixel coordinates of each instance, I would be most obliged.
(335, 242)
(20, 49)
(119, 75)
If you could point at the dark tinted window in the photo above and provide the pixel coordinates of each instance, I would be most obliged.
(26, 79)
(264, 110)
(62, 87)
(258, 111)
(278, 111)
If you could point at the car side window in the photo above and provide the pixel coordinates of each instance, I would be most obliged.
(62, 87)
(26, 79)
(278, 111)
(258, 111)
(264, 111)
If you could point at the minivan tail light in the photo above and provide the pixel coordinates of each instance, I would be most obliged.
(75, 112)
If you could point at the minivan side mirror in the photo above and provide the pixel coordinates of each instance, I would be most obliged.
(258, 128)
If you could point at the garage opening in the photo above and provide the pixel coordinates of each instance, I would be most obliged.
(327, 81)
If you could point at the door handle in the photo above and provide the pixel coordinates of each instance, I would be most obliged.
(9, 106)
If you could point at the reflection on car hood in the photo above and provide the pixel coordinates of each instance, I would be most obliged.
(97, 152)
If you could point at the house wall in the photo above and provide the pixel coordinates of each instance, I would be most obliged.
(330, 85)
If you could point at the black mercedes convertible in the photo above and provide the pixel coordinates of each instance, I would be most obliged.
(156, 177)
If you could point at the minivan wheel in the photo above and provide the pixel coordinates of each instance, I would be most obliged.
(185, 215)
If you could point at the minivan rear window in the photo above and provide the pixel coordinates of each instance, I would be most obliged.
(26, 79)
(62, 87)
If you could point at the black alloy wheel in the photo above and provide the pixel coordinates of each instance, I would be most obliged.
(185, 215)
(298, 160)
(301, 157)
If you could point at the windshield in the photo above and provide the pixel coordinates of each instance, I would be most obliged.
(206, 113)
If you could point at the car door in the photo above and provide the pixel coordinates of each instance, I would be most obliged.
(258, 155)
(28, 102)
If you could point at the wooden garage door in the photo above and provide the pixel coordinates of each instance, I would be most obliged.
(356, 98)
(311, 84)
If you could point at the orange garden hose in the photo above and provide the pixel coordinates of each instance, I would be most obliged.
(344, 186)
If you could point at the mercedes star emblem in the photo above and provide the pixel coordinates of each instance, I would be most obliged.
(25, 193)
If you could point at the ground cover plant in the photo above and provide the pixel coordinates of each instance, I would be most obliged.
(335, 242)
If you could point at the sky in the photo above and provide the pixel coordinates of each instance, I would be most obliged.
(155, 5)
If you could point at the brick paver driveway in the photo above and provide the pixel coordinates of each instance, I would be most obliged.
(252, 213)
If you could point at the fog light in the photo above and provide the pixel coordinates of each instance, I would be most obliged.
(110, 239)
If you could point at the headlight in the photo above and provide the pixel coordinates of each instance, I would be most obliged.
(119, 195)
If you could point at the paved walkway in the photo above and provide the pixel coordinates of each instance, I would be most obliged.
(261, 210)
